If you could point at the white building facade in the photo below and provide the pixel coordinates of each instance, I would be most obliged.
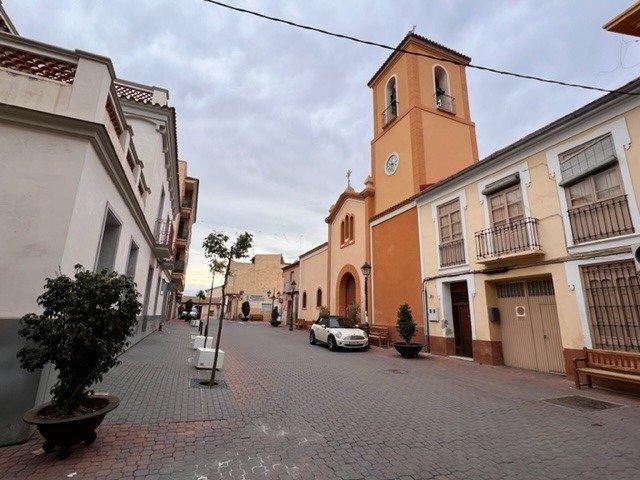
(90, 177)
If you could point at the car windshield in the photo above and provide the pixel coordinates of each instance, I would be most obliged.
(339, 322)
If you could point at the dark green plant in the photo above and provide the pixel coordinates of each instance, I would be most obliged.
(188, 305)
(201, 295)
(405, 324)
(246, 309)
(323, 312)
(274, 314)
(84, 326)
(353, 314)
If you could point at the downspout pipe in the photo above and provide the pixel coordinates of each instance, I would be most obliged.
(425, 302)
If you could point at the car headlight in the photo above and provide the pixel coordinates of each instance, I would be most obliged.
(338, 334)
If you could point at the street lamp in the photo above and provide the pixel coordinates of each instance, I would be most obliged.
(293, 294)
(366, 271)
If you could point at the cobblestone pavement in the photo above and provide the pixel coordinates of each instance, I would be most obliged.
(296, 411)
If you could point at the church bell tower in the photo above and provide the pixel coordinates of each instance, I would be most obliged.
(422, 128)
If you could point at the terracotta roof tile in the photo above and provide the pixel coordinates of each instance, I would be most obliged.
(38, 65)
(130, 93)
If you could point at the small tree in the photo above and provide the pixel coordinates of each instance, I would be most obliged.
(353, 314)
(246, 309)
(274, 315)
(201, 295)
(405, 324)
(220, 254)
(84, 326)
(323, 312)
(188, 305)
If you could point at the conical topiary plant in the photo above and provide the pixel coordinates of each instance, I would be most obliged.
(405, 324)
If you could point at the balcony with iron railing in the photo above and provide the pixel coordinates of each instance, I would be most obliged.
(604, 219)
(452, 253)
(163, 236)
(179, 266)
(516, 239)
(390, 113)
(445, 103)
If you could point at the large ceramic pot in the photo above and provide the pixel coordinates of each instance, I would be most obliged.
(408, 350)
(66, 432)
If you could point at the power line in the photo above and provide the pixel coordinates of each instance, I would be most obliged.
(426, 55)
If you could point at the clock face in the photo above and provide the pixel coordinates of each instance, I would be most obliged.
(391, 165)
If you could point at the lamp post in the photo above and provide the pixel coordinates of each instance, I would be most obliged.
(293, 295)
(366, 271)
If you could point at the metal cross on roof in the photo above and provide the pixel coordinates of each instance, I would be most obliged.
(349, 172)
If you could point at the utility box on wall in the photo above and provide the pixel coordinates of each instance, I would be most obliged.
(432, 314)
(494, 314)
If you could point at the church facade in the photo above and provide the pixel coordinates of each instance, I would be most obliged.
(522, 258)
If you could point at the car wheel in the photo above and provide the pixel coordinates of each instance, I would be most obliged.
(312, 338)
(331, 344)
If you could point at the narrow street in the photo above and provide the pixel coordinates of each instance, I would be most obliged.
(290, 410)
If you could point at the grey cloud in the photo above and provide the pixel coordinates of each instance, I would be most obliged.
(270, 118)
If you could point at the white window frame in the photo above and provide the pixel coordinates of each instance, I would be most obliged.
(621, 142)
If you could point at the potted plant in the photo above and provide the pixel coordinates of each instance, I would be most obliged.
(246, 309)
(84, 325)
(406, 328)
(352, 314)
(274, 317)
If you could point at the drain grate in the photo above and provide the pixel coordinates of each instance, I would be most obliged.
(578, 402)
(203, 383)
(397, 371)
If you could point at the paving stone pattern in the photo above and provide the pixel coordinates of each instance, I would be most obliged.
(293, 410)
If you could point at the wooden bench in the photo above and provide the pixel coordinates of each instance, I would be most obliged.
(300, 324)
(379, 332)
(610, 364)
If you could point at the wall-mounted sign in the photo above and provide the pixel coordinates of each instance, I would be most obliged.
(520, 311)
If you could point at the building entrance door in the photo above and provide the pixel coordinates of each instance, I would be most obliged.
(529, 325)
(461, 319)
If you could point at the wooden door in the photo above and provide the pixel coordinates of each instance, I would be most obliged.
(529, 324)
(518, 347)
(544, 319)
(462, 330)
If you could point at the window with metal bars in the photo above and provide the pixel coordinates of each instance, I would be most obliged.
(612, 293)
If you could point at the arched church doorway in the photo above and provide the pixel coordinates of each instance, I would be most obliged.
(347, 292)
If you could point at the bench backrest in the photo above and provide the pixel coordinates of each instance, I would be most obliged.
(628, 362)
(378, 330)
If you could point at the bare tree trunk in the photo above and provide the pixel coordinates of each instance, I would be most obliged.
(206, 329)
(212, 382)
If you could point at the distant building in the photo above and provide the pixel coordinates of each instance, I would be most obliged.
(254, 281)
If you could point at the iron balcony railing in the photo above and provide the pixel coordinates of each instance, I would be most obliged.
(163, 233)
(187, 202)
(183, 234)
(452, 253)
(178, 266)
(604, 219)
(513, 237)
(389, 113)
(446, 103)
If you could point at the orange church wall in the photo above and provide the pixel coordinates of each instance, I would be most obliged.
(448, 145)
(390, 189)
(396, 270)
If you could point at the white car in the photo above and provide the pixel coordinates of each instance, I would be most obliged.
(334, 332)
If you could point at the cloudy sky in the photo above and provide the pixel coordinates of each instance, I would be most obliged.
(270, 117)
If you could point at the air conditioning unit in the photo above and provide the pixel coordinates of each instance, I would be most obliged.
(199, 342)
(635, 249)
(205, 359)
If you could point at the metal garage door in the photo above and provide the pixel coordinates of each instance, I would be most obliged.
(612, 292)
(529, 324)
